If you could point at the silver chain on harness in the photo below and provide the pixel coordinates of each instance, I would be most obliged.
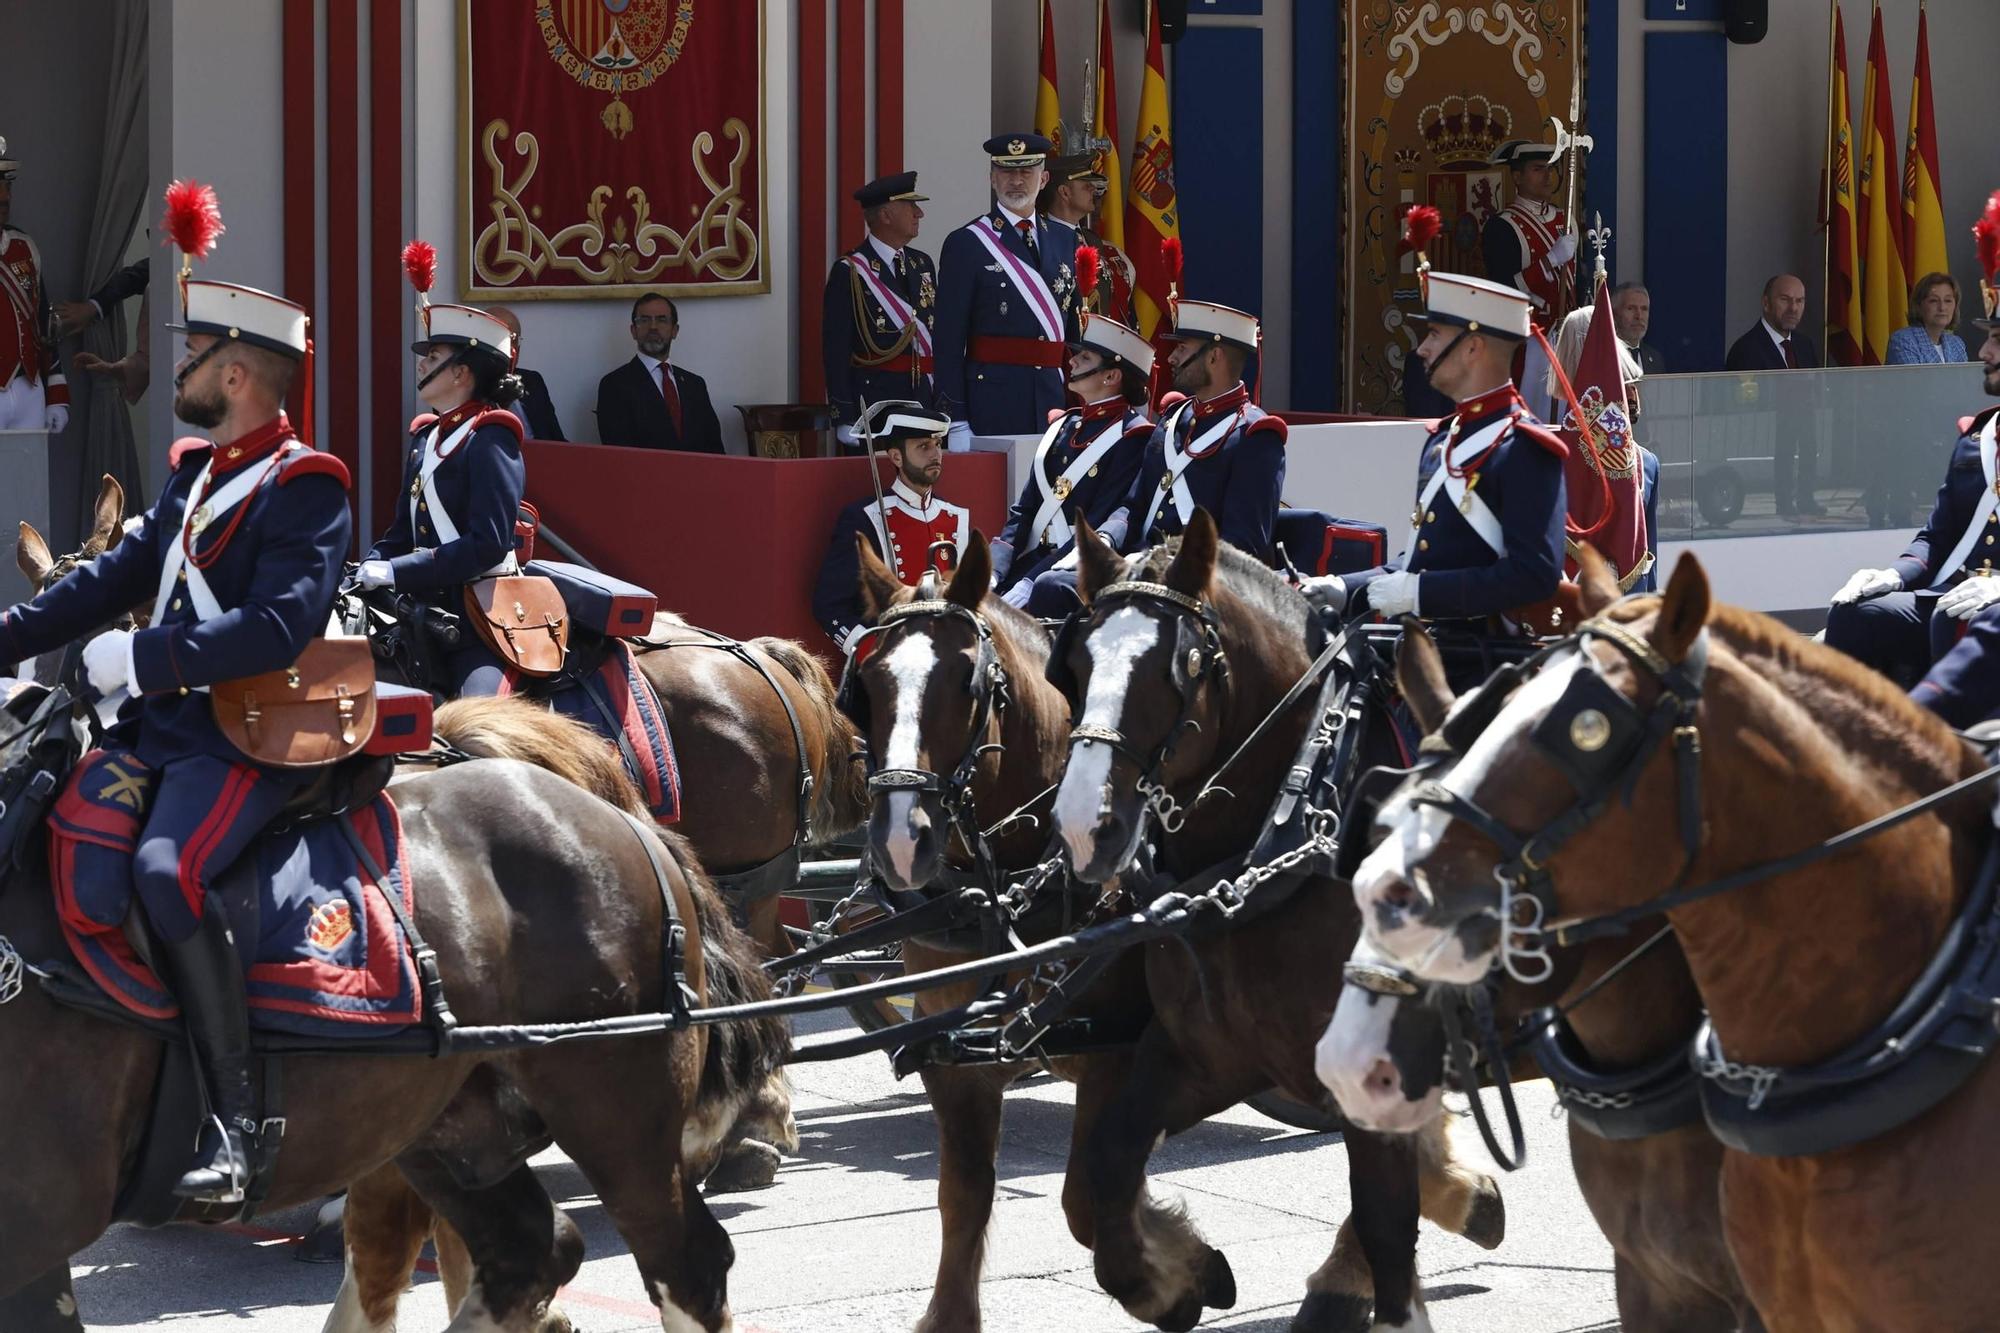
(1759, 1077)
(10, 970)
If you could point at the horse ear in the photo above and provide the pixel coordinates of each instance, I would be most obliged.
(1194, 563)
(31, 553)
(1683, 611)
(108, 516)
(1594, 577)
(1096, 563)
(973, 574)
(1420, 677)
(878, 586)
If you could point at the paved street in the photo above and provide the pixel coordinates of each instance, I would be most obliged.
(847, 1238)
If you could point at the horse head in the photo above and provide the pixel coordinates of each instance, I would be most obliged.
(43, 570)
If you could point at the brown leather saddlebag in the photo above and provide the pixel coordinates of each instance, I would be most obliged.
(317, 711)
(522, 618)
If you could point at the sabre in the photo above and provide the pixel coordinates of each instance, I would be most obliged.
(866, 422)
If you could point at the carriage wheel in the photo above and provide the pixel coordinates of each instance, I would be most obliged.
(1297, 1114)
(870, 965)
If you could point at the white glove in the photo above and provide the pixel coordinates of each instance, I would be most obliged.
(376, 574)
(1327, 590)
(1563, 250)
(959, 438)
(55, 418)
(845, 434)
(107, 661)
(1017, 596)
(1394, 595)
(1003, 559)
(1868, 583)
(1969, 598)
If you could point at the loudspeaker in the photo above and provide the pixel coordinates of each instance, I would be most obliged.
(1746, 21)
(1173, 18)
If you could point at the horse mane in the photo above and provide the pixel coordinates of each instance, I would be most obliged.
(840, 789)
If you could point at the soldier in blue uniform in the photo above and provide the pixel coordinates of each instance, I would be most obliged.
(462, 482)
(901, 527)
(1487, 534)
(1086, 460)
(880, 308)
(1963, 686)
(241, 555)
(1006, 304)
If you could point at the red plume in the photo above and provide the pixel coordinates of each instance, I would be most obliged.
(1170, 255)
(1088, 264)
(1986, 236)
(420, 262)
(1420, 227)
(194, 218)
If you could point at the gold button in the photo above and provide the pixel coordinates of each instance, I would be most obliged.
(177, 603)
(1423, 546)
(184, 689)
(1430, 517)
(1989, 539)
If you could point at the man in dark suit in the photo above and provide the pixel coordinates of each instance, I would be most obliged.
(1776, 344)
(73, 317)
(648, 403)
(533, 407)
(1632, 313)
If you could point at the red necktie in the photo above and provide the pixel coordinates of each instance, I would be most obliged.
(673, 397)
(1791, 360)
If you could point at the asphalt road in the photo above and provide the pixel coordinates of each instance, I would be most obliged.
(847, 1239)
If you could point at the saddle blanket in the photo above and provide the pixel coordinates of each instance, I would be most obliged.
(323, 953)
(614, 699)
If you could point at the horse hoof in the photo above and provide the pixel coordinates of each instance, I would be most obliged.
(748, 1165)
(1332, 1312)
(1486, 1221)
(326, 1243)
(1218, 1282)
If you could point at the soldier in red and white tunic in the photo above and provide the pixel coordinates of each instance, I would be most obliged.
(902, 527)
(1529, 246)
(33, 393)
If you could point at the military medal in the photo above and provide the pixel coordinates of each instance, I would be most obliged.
(201, 520)
(1062, 488)
(1465, 501)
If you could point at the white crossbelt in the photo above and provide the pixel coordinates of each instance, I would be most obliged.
(1042, 303)
(1178, 460)
(447, 531)
(1982, 514)
(1051, 527)
(210, 509)
(892, 305)
(1474, 510)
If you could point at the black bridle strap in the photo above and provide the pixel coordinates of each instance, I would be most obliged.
(1270, 719)
(1479, 1002)
(1214, 663)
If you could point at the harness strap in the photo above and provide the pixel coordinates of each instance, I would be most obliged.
(430, 983)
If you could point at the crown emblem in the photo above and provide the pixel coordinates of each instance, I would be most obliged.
(1017, 146)
(1406, 162)
(1463, 131)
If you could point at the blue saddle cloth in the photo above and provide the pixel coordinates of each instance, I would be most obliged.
(613, 698)
(323, 953)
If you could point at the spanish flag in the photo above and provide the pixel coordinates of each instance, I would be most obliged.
(1923, 194)
(1844, 329)
(1048, 103)
(1885, 289)
(1153, 214)
(1104, 128)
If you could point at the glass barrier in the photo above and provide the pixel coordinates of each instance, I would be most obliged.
(1802, 451)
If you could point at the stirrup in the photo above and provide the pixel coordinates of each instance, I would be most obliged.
(210, 1185)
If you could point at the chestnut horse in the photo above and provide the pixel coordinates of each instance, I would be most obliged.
(543, 904)
(954, 684)
(1168, 685)
(1730, 739)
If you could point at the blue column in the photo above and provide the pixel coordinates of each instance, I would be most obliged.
(1687, 187)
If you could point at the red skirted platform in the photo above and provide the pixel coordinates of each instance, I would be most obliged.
(734, 544)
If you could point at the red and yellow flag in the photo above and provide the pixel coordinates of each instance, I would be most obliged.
(1885, 288)
(1923, 192)
(1048, 103)
(1104, 128)
(1844, 329)
(1153, 212)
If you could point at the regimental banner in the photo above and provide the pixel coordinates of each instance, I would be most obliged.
(610, 147)
(1433, 87)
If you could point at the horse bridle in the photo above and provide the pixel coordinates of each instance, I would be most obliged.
(1197, 658)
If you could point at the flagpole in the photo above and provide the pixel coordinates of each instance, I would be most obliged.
(1828, 187)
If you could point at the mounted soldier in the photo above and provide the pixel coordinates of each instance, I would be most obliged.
(880, 306)
(241, 554)
(462, 479)
(1487, 531)
(1085, 463)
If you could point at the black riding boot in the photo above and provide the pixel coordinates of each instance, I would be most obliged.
(208, 980)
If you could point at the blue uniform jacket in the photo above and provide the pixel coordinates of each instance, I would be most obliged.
(272, 562)
(1521, 481)
(1095, 495)
(843, 337)
(1957, 498)
(480, 483)
(976, 298)
(1238, 480)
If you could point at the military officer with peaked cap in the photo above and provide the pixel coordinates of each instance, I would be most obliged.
(1006, 304)
(880, 307)
(1486, 536)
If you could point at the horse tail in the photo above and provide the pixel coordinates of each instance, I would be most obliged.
(740, 1056)
(840, 786)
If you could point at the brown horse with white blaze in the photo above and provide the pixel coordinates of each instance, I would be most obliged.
(1780, 745)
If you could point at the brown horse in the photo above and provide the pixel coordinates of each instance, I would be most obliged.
(951, 682)
(1775, 745)
(1172, 674)
(543, 904)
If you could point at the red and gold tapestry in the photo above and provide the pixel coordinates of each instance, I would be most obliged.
(609, 147)
(1433, 87)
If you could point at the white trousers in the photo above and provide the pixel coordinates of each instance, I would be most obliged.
(22, 406)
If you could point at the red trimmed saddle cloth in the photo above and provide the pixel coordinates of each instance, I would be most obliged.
(322, 950)
(613, 698)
